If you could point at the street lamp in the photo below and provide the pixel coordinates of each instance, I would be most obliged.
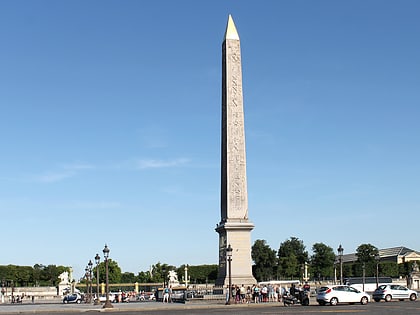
(90, 264)
(87, 283)
(377, 258)
(363, 276)
(229, 251)
(97, 260)
(107, 301)
(340, 257)
(335, 271)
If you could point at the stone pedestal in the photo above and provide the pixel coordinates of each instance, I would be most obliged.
(413, 281)
(238, 236)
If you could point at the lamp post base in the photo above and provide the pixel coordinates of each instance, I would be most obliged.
(108, 304)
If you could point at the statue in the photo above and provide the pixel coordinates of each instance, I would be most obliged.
(173, 278)
(64, 277)
(415, 267)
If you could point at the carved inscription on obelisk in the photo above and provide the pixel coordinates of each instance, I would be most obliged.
(234, 200)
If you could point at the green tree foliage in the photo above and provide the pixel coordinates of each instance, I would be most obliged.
(144, 277)
(38, 275)
(292, 256)
(265, 261)
(322, 261)
(199, 274)
(114, 272)
(388, 269)
(366, 254)
(128, 277)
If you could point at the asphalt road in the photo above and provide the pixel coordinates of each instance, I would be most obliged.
(157, 308)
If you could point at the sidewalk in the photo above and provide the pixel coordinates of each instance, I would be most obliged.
(117, 307)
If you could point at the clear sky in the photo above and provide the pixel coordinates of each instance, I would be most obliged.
(110, 127)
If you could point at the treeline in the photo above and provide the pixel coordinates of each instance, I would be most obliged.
(289, 261)
(38, 275)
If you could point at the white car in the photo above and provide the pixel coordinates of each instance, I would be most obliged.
(102, 298)
(334, 294)
(388, 292)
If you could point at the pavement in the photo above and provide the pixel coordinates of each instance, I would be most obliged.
(118, 307)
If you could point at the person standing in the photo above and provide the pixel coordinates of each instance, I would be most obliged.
(165, 295)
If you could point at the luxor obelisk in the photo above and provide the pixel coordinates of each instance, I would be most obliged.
(234, 228)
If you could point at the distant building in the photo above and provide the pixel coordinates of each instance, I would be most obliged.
(398, 255)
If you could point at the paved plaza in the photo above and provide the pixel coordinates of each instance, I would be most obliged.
(120, 307)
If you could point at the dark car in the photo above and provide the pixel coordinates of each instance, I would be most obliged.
(73, 298)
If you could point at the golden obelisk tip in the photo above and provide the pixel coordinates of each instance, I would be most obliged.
(231, 32)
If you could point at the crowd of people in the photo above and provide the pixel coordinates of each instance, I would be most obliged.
(262, 293)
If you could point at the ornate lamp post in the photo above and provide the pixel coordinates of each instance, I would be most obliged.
(229, 251)
(97, 260)
(87, 284)
(340, 257)
(90, 264)
(107, 301)
(377, 259)
(363, 276)
(335, 271)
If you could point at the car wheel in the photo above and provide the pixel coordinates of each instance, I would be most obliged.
(388, 298)
(413, 297)
(65, 301)
(334, 301)
(78, 301)
(377, 300)
(364, 300)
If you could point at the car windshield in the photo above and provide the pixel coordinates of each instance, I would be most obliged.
(382, 287)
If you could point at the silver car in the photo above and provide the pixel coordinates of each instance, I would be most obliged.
(334, 294)
(388, 292)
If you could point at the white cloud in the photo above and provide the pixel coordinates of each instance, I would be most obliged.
(78, 166)
(53, 177)
(145, 164)
(65, 171)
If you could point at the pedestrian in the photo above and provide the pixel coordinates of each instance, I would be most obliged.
(227, 295)
(165, 295)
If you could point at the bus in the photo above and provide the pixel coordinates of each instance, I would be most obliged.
(367, 284)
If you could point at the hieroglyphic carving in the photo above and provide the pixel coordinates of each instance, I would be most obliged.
(237, 196)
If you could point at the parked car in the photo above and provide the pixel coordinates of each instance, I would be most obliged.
(73, 298)
(334, 294)
(102, 298)
(388, 292)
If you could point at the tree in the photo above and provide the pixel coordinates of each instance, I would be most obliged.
(144, 277)
(322, 261)
(128, 277)
(199, 273)
(366, 254)
(292, 256)
(265, 260)
(114, 272)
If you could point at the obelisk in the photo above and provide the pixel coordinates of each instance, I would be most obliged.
(234, 228)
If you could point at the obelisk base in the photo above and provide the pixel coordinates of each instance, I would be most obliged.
(237, 234)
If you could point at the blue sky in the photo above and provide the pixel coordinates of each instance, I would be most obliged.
(110, 126)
